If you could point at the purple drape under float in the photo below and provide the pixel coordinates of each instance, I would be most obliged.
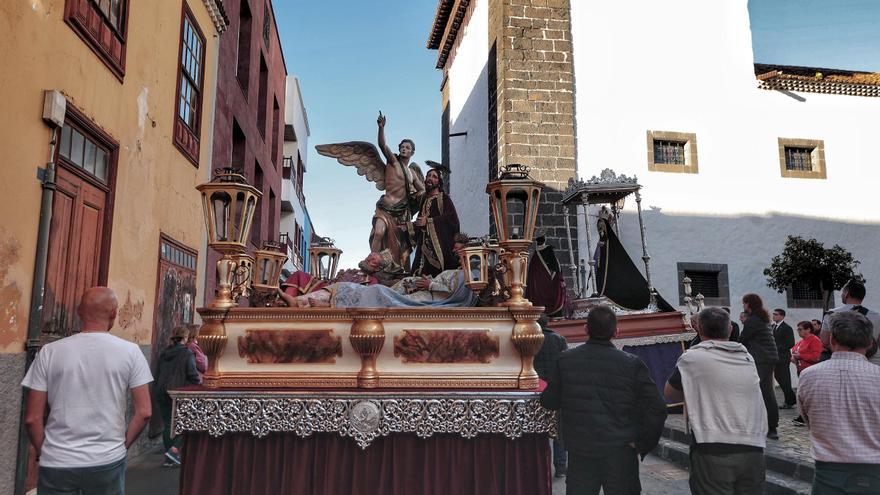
(327, 464)
(660, 358)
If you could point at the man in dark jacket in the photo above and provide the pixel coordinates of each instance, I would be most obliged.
(609, 410)
(783, 335)
(545, 359)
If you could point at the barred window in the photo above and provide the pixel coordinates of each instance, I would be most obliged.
(674, 152)
(669, 152)
(704, 282)
(709, 279)
(806, 290)
(800, 159)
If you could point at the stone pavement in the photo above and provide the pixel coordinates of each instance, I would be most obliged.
(658, 477)
(146, 476)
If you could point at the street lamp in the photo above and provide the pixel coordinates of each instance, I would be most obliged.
(324, 259)
(514, 198)
(267, 267)
(229, 203)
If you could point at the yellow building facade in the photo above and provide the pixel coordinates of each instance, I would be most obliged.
(134, 82)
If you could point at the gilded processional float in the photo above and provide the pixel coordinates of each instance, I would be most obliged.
(362, 387)
(316, 399)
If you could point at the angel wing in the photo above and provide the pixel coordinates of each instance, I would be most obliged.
(358, 154)
(417, 172)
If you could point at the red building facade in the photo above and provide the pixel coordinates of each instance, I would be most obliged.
(249, 116)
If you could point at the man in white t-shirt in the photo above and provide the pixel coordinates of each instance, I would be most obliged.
(85, 379)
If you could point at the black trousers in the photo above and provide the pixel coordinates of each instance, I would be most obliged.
(782, 372)
(741, 473)
(765, 374)
(616, 472)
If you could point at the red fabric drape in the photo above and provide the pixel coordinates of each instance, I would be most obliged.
(328, 464)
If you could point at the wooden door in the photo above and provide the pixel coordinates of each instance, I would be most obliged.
(175, 291)
(75, 242)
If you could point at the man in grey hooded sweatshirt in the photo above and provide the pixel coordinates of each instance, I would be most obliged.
(719, 384)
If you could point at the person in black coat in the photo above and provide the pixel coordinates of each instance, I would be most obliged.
(554, 344)
(758, 340)
(734, 327)
(175, 368)
(610, 410)
(783, 335)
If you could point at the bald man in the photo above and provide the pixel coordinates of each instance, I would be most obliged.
(85, 379)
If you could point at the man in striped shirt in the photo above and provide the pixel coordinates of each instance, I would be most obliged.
(840, 402)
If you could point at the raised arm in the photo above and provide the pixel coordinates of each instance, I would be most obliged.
(383, 146)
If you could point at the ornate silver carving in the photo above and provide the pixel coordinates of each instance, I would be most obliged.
(511, 414)
(606, 177)
(654, 339)
(365, 416)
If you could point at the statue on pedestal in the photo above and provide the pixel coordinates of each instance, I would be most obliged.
(402, 181)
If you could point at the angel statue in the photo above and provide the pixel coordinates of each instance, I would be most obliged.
(402, 181)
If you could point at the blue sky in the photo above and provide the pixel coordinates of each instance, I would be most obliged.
(356, 57)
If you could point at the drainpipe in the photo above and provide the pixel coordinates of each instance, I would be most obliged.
(36, 309)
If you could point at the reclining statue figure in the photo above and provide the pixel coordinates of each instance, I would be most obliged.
(445, 290)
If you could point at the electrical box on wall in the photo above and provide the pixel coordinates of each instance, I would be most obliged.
(54, 107)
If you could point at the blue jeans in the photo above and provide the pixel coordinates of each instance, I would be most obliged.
(108, 479)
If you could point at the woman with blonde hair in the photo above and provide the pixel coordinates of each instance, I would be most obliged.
(193, 345)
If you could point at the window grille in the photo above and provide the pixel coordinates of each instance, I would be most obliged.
(669, 152)
(704, 282)
(800, 159)
(806, 290)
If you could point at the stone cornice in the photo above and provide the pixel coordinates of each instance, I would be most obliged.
(218, 14)
(448, 21)
(783, 82)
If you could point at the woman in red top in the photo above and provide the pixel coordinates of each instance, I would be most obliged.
(806, 352)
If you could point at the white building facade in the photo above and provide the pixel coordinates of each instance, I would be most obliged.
(295, 219)
(733, 156)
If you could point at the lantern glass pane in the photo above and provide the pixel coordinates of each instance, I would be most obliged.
(220, 207)
(517, 200)
(475, 265)
(264, 272)
(497, 212)
(324, 264)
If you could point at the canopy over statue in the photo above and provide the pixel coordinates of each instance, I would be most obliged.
(402, 181)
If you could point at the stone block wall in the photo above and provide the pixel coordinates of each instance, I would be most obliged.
(531, 105)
